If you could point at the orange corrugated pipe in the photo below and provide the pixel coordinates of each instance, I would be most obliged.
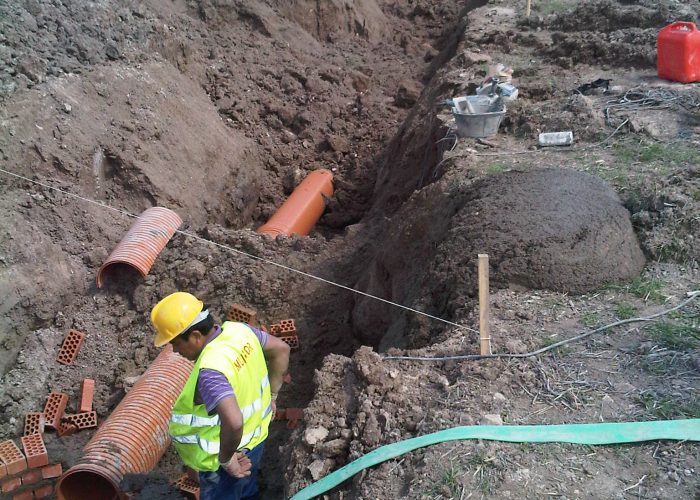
(133, 438)
(303, 208)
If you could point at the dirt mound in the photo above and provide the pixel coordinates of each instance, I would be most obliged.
(545, 229)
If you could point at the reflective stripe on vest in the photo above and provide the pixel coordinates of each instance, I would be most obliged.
(195, 420)
(210, 447)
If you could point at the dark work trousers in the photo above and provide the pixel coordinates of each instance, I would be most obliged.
(220, 485)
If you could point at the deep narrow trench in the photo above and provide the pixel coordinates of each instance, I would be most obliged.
(369, 194)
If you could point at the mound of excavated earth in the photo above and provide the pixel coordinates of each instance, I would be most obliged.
(549, 229)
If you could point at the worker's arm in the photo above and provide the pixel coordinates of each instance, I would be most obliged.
(277, 356)
(231, 432)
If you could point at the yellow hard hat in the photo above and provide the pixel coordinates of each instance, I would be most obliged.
(173, 315)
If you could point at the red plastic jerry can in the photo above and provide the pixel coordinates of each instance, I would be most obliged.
(678, 53)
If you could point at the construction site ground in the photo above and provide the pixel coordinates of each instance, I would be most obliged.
(217, 109)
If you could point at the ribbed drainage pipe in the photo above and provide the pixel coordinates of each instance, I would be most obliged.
(144, 241)
(303, 208)
(133, 438)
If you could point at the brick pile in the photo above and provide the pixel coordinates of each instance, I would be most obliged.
(286, 331)
(27, 475)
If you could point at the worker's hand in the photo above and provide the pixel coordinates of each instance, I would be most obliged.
(274, 409)
(239, 466)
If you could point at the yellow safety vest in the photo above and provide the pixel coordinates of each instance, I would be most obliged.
(237, 353)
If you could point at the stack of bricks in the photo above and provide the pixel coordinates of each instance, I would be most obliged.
(28, 475)
(286, 330)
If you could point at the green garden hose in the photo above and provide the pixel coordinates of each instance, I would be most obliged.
(612, 433)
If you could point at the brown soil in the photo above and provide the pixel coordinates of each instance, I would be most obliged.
(218, 108)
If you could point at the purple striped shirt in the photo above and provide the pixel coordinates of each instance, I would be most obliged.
(212, 385)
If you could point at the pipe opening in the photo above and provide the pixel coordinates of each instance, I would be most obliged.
(86, 485)
(119, 274)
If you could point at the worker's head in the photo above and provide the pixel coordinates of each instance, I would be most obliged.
(182, 320)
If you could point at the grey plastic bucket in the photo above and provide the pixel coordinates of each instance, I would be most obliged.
(484, 122)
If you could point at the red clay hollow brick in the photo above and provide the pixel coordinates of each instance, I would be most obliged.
(87, 393)
(71, 345)
(293, 416)
(11, 484)
(275, 329)
(34, 449)
(3, 470)
(51, 471)
(293, 341)
(66, 429)
(242, 314)
(85, 420)
(12, 457)
(43, 492)
(287, 327)
(184, 483)
(55, 408)
(32, 476)
(24, 495)
(34, 423)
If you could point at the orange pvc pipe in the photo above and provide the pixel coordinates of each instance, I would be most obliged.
(133, 438)
(303, 208)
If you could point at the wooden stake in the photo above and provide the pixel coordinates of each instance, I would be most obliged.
(484, 332)
(527, 9)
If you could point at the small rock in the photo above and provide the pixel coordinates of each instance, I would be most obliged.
(516, 346)
(314, 435)
(474, 58)
(491, 419)
(67, 108)
(332, 448)
(337, 143)
(499, 398)
(112, 52)
(318, 468)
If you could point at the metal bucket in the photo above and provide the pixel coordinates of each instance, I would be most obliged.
(485, 120)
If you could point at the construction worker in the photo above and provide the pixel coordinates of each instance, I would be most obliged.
(221, 418)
